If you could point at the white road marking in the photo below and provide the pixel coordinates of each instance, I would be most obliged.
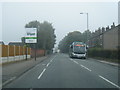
(45, 68)
(47, 65)
(80, 65)
(8, 81)
(109, 81)
(75, 62)
(42, 73)
(85, 68)
(52, 59)
(71, 59)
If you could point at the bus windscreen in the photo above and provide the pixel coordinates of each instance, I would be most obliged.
(79, 49)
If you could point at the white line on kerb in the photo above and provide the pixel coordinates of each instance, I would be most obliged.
(109, 81)
(85, 68)
(42, 73)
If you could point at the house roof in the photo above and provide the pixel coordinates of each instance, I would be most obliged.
(2, 43)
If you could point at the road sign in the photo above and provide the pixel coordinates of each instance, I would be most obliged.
(31, 35)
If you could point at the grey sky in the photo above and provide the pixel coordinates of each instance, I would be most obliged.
(65, 17)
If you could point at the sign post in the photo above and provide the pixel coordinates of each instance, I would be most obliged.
(31, 37)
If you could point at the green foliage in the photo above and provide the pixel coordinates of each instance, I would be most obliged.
(86, 35)
(45, 35)
(71, 37)
(99, 52)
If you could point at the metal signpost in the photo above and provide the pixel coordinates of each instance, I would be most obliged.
(31, 37)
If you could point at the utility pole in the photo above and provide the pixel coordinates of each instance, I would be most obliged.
(35, 51)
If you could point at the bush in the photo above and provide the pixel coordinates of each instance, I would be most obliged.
(99, 52)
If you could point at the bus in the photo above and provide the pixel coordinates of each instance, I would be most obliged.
(78, 50)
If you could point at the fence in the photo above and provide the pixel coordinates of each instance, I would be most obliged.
(39, 52)
(14, 53)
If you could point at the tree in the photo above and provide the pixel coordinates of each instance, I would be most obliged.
(86, 35)
(71, 37)
(45, 35)
(67, 40)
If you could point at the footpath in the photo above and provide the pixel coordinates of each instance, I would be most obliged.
(106, 62)
(13, 70)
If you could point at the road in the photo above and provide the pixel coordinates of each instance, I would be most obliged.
(60, 71)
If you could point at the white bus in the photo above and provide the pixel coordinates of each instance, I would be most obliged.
(78, 50)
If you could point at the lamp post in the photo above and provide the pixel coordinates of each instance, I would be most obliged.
(87, 19)
(87, 23)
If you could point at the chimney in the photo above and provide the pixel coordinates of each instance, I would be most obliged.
(113, 26)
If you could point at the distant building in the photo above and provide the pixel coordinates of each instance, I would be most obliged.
(16, 43)
(2, 43)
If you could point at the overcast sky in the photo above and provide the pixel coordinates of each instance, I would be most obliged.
(64, 16)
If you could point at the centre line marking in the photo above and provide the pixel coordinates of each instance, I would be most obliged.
(42, 73)
(85, 68)
(52, 59)
(45, 68)
(109, 81)
(75, 62)
(48, 64)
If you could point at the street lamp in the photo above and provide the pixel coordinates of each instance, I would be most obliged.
(87, 18)
(87, 23)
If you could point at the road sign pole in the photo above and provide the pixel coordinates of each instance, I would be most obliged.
(35, 52)
(31, 37)
(26, 51)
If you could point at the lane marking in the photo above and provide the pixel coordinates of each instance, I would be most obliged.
(47, 64)
(85, 67)
(42, 73)
(71, 59)
(11, 79)
(81, 65)
(52, 59)
(45, 68)
(75, 62)
(109, 81)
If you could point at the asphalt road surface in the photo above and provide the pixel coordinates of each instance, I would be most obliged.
(60, 71)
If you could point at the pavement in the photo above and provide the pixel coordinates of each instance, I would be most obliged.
(60, 71)
(11, 71)
(106, 62)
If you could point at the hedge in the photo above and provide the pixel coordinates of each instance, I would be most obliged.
(99, 52)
